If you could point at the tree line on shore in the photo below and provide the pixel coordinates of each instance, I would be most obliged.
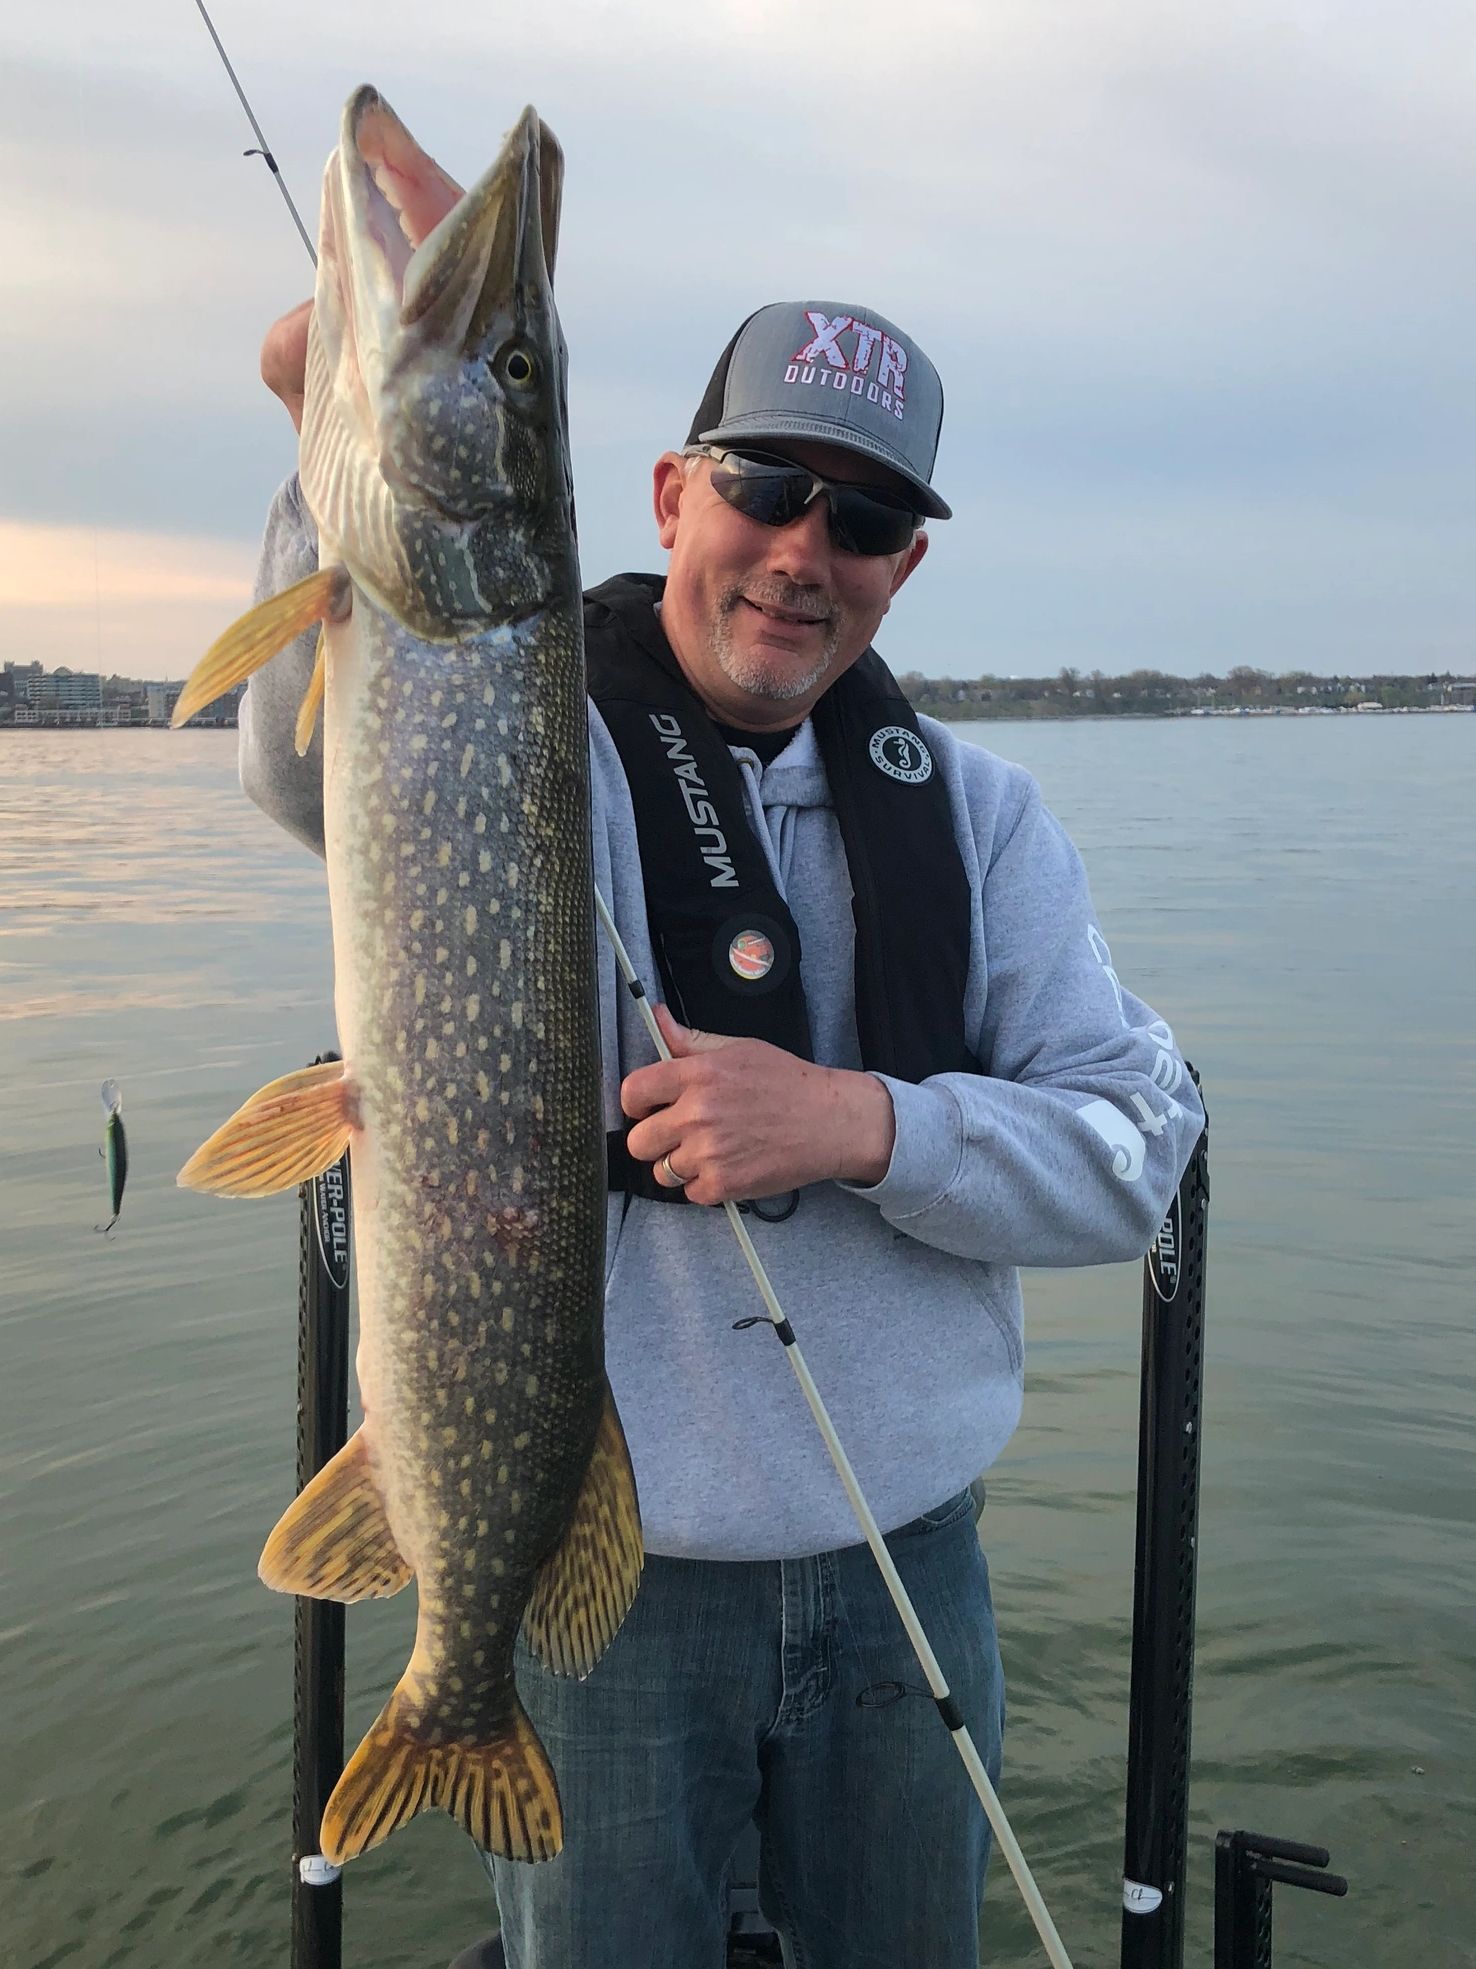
(1154, 693)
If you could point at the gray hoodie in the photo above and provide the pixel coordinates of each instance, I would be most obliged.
(905, 1296)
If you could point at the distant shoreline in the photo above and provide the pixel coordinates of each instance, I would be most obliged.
(91, 725)
(957, 714)
(973, 715)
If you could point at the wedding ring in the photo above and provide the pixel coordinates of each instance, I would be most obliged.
(677, 1182)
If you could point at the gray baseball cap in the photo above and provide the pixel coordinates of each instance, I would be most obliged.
(842, 375)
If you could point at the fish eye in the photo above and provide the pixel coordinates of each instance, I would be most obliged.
(519, 368)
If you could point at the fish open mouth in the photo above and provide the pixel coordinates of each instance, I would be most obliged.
(406, 193)
(437, 303)
(415, 255)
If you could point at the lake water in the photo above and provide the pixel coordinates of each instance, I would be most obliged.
(1297, 897)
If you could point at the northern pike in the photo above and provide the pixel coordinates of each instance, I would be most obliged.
(491, 1463)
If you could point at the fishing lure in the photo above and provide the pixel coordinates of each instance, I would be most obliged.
(114, 1150)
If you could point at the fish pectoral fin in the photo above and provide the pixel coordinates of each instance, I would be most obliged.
(584, 1590)
(259, 634)
(312, 703)
(503, 1792)
(333, 1542)
(287, 1133)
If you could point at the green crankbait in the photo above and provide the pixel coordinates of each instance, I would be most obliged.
(114, 1150)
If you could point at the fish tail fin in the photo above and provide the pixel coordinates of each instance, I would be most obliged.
(259, 634)
(504, 1792)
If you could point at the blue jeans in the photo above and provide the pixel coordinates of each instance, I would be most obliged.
(786, 1693)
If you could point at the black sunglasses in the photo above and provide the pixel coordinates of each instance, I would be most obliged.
(863, 519)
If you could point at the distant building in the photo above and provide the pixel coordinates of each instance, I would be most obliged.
(15, 703)
(124, 702)
(224, 710)
(65, 697)
(161, 701)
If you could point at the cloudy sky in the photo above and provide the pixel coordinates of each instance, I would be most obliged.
(1201, 282)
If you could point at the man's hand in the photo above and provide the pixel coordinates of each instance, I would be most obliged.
(284, 359)
(740, 1118)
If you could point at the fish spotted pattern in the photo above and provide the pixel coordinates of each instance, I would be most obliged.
(491, 1464)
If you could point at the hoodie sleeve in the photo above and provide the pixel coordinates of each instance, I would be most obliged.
(288, 790)
(1068, 1150)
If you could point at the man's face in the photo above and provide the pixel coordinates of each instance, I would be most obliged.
(763, 619)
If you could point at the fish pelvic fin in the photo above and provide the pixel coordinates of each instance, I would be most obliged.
(259, 634)
(312, 703)
(287, 1133)
(584, 1589)
(503, 1792)
(333, 1542)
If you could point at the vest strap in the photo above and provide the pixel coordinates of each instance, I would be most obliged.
(624, 1171)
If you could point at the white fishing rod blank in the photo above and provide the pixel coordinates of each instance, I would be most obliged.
(947, 1708)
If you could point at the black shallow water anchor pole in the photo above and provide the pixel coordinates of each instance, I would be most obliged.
(1163, 1594)
(1246, 1865)
(322, 1425)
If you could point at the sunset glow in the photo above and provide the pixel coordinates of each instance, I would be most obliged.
(108, 599)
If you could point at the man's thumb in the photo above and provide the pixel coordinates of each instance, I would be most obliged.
(686, 1040)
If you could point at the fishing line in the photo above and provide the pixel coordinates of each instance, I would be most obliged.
(97, 598)
(921, 1647)
(938, 1687)
(265, 150)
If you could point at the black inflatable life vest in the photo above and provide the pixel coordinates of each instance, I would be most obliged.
(724, 939)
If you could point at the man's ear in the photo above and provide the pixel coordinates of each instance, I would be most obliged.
(668, 483)
(907, 562)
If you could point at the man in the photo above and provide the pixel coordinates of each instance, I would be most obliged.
(901, 1043)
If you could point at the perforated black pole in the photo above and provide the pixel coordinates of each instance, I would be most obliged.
(322, 1424)
(1247, 1864)
(1163, 1594)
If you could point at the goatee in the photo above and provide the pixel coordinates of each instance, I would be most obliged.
(761, 676)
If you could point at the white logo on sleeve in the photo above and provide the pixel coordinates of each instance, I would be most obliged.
(1122, 1136)
(1104, 957)
(1124, 1140)
(1168, 1069)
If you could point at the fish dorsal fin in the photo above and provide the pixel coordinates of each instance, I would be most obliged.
(260, 633)
(584, 1590)
(287, 1133)
(333, 1542)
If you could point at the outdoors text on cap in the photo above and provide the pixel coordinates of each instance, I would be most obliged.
(824, 362)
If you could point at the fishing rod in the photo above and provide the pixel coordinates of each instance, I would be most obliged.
(947, 1707)
(264, 150)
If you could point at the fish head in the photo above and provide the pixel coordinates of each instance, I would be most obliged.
(440, 440)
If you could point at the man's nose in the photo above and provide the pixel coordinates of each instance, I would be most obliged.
(801, 551)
